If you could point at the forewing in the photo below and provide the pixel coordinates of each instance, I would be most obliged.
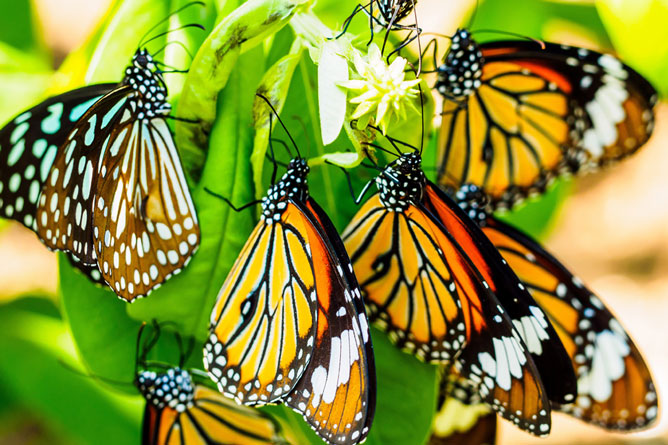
(615, 388)
(145, 224)
(64, 218)
(408, 279)
(29, 144)
(263, 325)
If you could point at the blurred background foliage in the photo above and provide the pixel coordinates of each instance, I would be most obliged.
(48, 46)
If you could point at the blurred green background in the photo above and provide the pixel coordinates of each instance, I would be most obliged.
(612, 228)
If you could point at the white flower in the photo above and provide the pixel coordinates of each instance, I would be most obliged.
(384, 94)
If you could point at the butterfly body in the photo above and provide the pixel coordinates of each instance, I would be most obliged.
(517, 114)
(289, 325)
(614, 387)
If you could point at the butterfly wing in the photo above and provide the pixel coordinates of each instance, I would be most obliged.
(615, 388)
(29, 144)
(538, 335)
(409, 280)
(410, 269)
(337, 392)
(116, 197)
(212, 419)
(539, 112)
(263, 326)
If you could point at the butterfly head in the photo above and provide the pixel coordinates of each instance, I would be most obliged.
(474, 202)
(173, 388)
(291, 186)
(150, 98)
(401, 183)
(460, 73)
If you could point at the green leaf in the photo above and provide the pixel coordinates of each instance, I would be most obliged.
(274, 86)
(640, 35)
(187, 298)
(69, 401)
(332, 69)
(243, 29)
(103, 333)
(19, 27)
(406, 400)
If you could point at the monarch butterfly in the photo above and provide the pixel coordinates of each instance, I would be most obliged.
(615, 388)
(518, 113)
(421, 286)
(95, 173)
(181, 411)
(462, 417)
(289, 324)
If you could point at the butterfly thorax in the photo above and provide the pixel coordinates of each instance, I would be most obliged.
(459, 75)
(395, 10)
(473, 201)
(401, 183)
(150, 97)
(291, 186)
(173, 389)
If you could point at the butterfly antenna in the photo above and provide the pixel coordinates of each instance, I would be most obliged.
(303, 124)
(280, 122)
(171, 14)
(513, 34)
(421, 119)
(169, 31)
(78, 372)
(172, 42)
(383, 149)
(272, 152)
(229, 203)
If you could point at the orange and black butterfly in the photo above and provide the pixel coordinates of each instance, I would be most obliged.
(289, 324)
(615, 388)
(518, 113)
(422, 287)
(181, 411)
(95, 173)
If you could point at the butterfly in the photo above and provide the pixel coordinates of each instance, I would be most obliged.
(95, 173)
(516, 114)
(181, 411)
(422, 287)
(289, 324)
(614, 388)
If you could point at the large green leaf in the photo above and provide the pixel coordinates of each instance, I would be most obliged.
(241, 30)
(407, 391)
(33, 346)
(105, 336)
